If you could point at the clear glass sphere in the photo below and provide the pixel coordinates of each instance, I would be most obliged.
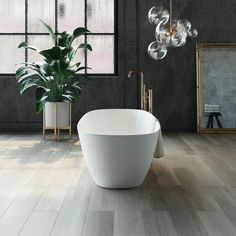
(168, 35)
(175, 23)
(178, 39)
(163, 34)
(158, 14)
(193, 33)
(184, 24)
(157, 51)
(179, 36)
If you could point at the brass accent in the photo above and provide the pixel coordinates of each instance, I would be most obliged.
(142, 92)
(146, 97)
(70, 121)
(55, 128)
(150, 100)
(58, 133)
(43, 124)
(217, 131)
(199, 47)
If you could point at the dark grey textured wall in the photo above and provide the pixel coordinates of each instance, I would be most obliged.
(172, 79)
(218, 72)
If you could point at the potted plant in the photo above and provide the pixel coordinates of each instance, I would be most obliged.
(56, 78)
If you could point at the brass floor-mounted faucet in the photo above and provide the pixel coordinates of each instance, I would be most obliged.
(146, 96)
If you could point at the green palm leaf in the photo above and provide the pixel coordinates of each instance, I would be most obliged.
(51, 33)
(56, 78)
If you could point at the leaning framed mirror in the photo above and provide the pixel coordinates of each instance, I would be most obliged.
(216, 87)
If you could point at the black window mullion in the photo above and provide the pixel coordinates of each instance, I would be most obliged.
(26, 28)
(100, 33)
(26, 34)
(12, 33)
(56, 16)
(116, 36)
(85, 37)
(37, 33)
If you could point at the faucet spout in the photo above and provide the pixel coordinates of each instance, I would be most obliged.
(145, 98)
(133, 72)
(130, 74)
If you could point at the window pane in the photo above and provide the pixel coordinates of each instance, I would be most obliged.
(100, 15)
(70, 15)
(80, 55)
(10, 54)
(101, 59)
(42, 42)
(44, 10)
(12, 14)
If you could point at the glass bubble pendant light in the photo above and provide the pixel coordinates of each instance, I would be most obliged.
(169, 32)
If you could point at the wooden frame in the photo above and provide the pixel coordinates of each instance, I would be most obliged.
(55, 128)
(199, 47)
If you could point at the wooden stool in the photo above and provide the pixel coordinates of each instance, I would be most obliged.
(210, 122)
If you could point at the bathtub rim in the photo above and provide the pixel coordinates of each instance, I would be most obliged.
(156, 129)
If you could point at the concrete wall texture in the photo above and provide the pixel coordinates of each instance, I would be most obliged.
(172, 79)
(218, 72)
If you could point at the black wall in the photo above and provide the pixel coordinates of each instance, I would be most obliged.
(172, 79)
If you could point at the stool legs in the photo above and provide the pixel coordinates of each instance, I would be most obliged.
(210, 122)
(218, 122)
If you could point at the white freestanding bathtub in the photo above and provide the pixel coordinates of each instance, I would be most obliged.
(118, 145)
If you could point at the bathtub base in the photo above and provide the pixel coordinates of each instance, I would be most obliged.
(113, 163)
(118, 182)
(117, 155)
(118, 188)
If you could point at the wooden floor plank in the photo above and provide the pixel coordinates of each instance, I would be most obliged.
(128, 222)
(165, 175)
(46, 189)
(39, 224)
(158, 223)
(99, 223)
(55, 193)
(12, 221)
(10, 191)
(6, 175)
(71, 219)
(217, 224)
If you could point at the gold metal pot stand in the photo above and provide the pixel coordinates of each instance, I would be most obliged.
(55, 128)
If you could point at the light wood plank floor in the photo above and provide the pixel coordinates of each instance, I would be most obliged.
(46, 189)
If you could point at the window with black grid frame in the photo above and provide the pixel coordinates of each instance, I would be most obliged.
(20, 21)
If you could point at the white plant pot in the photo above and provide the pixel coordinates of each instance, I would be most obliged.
(57, 114)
